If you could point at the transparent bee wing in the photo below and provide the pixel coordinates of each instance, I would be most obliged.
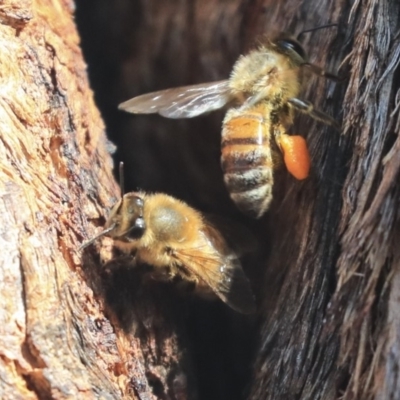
(234, 289)
(220, 269)
(181, 102)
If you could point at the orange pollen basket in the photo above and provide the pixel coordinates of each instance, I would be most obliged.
(295, 155)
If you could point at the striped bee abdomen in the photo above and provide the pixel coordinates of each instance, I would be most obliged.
(247, 161)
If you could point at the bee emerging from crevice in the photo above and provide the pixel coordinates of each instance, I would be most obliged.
(179, 242)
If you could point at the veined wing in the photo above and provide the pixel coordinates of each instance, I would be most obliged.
(219, 267)
(181, 102)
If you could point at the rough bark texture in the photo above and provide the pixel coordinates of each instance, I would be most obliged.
(327, 272)
(56, 341)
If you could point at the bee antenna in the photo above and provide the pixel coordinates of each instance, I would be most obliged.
(93, 239)
(122, 178)
(315, 29)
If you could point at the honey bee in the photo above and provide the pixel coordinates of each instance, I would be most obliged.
(263, 92)
(178, 241)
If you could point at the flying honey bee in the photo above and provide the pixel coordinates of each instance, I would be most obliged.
(263, 92)
(178, 241)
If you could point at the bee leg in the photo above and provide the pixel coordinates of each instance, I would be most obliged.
(321, 72)
(307, 107)
(252, 100)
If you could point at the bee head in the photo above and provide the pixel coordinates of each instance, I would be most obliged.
(288, 45)
(126, 220)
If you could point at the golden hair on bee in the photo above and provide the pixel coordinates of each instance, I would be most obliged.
(178, 241)
(263, 93)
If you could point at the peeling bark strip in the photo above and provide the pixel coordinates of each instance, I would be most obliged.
(322, 346)
(369, 223)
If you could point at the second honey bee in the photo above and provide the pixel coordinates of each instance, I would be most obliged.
(263, 90)
(178, 241)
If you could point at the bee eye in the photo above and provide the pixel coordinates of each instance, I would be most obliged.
(293, 45)
(139, 202)
(136, 207)
(140, 224)
(137, 229)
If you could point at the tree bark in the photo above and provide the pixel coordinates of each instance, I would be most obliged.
(56, 341)
(326, 275)
(53, 154)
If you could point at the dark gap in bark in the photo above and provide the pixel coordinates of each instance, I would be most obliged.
(169, 156)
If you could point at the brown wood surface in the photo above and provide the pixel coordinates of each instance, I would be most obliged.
(56, 183)
(326, 275)
(53, 154)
